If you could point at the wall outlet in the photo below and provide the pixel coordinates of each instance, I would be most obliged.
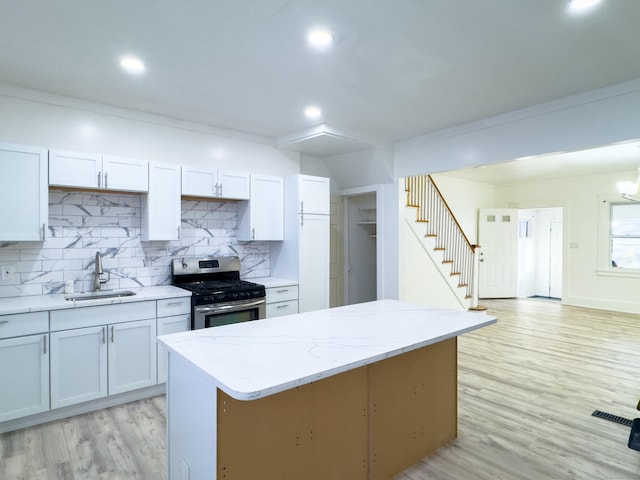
(7, 273)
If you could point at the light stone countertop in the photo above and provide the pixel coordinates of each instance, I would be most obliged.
(254, 359)
(272, 282)
(56, 301)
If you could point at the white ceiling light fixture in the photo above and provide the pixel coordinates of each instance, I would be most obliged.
(577, 6)
(131, 64)
(628, 190)
(320, 38)
(312, 112)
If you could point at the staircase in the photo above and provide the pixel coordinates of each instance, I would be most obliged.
(438, 231)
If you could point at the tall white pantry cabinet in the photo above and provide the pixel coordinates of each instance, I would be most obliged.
(304, 253)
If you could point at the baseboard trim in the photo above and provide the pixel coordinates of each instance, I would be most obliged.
(72, 410)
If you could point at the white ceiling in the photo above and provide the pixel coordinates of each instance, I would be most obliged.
(597, 161)
(398, 69)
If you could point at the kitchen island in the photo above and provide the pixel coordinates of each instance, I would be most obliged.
(356, 392)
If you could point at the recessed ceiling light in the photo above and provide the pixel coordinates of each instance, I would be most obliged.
(320, 37)
(312, 112)
(132, 64)
(582, 5)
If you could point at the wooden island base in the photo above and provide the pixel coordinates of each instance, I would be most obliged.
(367, 423)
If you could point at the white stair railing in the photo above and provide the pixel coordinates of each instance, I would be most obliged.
(441, 224)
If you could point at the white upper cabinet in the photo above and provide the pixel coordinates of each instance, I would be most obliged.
(87, 170)
(233, 185)
(313, 195)
(202, 182)
(161, 207)
(24, 195)
(128, 174)
(262, 217)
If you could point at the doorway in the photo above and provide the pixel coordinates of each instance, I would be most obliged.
(521, 252)
(360, 220)
(540, 252)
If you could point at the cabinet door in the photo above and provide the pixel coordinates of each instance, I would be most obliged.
(167, 325)
(132, 355)
(78, 365)
(199, 182)
(313, 267)
(161, 207)
(24, 376)
(262, 217)
(233, 185)
(24, 195)
(128, 174)
(72, 169)
(313, 194)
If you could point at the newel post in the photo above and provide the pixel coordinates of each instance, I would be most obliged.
(474, 286)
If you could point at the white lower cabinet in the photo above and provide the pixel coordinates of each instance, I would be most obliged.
(174, 315)
(167, 325)
(24, 372)
(78, 365)
(282, 300)
(101, 358)
(132, 355)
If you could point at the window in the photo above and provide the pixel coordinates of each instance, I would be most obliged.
(624, 235)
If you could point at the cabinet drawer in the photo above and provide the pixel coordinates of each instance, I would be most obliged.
(174, 306)
(80, 317)
(282, 308)
(24, 324)
(281, 294)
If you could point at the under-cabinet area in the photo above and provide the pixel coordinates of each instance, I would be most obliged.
(55, 363)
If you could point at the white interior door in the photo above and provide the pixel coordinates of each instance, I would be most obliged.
(555, 260)
(498, 263)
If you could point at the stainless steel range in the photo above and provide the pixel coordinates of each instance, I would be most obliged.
(219, 297)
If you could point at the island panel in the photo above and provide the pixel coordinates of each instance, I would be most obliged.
(314, 432)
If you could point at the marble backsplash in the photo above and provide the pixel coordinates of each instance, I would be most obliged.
(82, 223)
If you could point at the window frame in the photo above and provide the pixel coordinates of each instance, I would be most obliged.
(604, 239)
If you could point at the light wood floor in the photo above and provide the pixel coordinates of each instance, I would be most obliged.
(528, 386)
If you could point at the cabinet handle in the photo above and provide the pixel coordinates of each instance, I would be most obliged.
(220, 190)
(179, 232)
(170, 304)
(253, 233)
(284, 290)
(112, 335)
(44, 232)
(4, 322)
(302, 206)
(99, 177)
(216, 192)
(106, 184)
(104, 339)
(44, 343)
(282, 306)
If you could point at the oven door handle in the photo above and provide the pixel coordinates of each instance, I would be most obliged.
(228, 307)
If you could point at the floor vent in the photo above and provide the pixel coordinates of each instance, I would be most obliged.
(612, 418)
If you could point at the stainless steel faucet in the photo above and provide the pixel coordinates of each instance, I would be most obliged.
(97, 279)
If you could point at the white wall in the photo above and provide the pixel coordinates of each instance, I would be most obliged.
(596, 118)
(584, 281)
(35, 118)
(464, 199)
(592, 119)
(81, 223)
(420, 280)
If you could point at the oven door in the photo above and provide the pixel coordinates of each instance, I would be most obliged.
(216, 314)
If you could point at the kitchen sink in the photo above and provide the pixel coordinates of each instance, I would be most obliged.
(100, 294)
